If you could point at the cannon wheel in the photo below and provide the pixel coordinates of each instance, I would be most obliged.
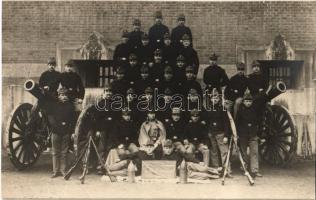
(281, 137)
(24, 149)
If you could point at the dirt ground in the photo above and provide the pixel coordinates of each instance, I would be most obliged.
(296, 181)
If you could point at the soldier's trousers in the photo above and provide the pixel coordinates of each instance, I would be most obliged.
(218, 148)
(116, 166)
(59, 152)
(200, 172)
(253, 158)
(201, 148)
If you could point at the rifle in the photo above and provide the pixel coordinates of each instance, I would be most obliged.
(227, 160)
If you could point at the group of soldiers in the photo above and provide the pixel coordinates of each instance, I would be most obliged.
(188, 122)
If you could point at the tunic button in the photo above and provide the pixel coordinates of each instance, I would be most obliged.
(249, 125)
(214, 123)
(63, 123)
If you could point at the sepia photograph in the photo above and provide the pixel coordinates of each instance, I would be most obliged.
(122, 99)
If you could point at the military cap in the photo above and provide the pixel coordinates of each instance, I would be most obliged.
(214, 56)
(145, 36)
(247, 95)
(186, 37)
(120, 70)
(168, 92)
(189, 68)
(181, 17)
(132, 57)
(193, 91)
(148, 90)
(125, 34)
(166, 36)
(255, 63)
(126, 111)
(167, 143)
(130, 91)
(144, 69)
(157, 52)
(176, 110)
(180, 58)
(158, 14)
(62, 90)
(51, 60)
(194, 112)
(168, 70)
(240, 66)
(136, 22)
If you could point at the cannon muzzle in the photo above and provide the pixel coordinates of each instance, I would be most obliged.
(276, 90)
(34, 89)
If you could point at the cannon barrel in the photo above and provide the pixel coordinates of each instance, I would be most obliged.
(276, 90)
(34, 89)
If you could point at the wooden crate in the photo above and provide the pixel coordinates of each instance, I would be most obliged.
(158, 169)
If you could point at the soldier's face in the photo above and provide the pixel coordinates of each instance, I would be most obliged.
(158, 20)
(120, 76)
(175, 117)
(167, 42)
(215, 99)
(193, 97)
(241, 72)
(186, 43)
(144, 76)
(63, 98)
(189, 75)
(68, 68)
(180, 64)
(158, 59)
(247, 103)
(136, 28)
(213, 62)
(145, 42)
(126, 117)
(167, 98)
(181, 22)
(168, 76)
(167, 150)
(151, 116)
(107, 93)
(51, 66)
(195, 118)
(256, 69)
(133, 63)
(124, 39)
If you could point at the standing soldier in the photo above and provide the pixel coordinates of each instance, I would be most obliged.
(218, 129)
(196, 137)
(50, 79)
(122, 50)
(145, 80)
(236, 88)
(256, 81)
(215, 76)
(189, 53)
(156, 71)
(178, 32)
(157, 31)
(72, 81)
(133, 69)
(175, 125)
(135, 36)
(145, 51)
(179, 70)
(120, 84)
(169, 51)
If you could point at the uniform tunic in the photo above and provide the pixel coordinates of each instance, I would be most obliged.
(73, 83)
(145, 54)
(156, 35)
(197, 132)
(50, 79)
(256, 82)
(177, 33)
(191, 57)
(175, 129)
(124, 132)
(121, 52)
(236, 87)
(169, 54)
(216, 77)
(218, 120)
(135, 39)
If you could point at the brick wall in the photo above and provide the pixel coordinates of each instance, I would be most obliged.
(31, 30)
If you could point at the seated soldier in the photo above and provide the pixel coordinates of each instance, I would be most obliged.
(151, 136)
(179, 70)
(144, 81)
(164, 105)
(175, 125)
(168, 81)
(156, 71)
(193, 101)
(196, 169)
(218, 130)
(123, 146)
(196, 138)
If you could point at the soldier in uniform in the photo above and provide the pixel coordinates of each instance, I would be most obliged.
(72, 81)
(214, 76)
(175, 125)
(146, 102)
(164, 105)
(236, 88)
(144, 81)
(135, 36)
(120, 84)
(196, 137)
(133, 69)
(191, 56)
(157, 70)
(218, 130)
(179, 70)
(168, 81)
(169, 51)
(151, 136)
(145, 53)
(248, 121)
(178, 32)
(122, 50)
(256, 81)
(157, 31)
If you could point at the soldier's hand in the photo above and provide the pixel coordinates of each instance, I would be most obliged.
(260, 89)
(46, 87)
(262, 140)
(225, 140)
